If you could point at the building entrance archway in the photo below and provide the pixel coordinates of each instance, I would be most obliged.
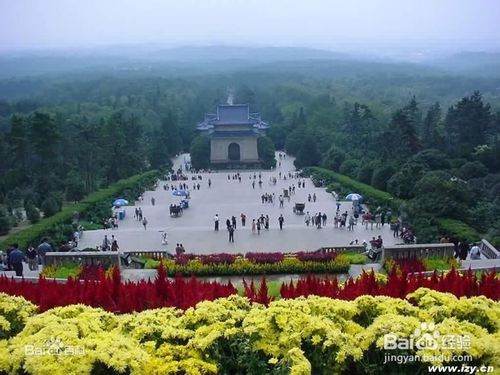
(233, 152)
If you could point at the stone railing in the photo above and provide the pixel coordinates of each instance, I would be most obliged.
(153, 254)
(443, 250)
(105, 259)
(343, 249)
(488, 250)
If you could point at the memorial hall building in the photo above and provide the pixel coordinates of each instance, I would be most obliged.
(233, 132)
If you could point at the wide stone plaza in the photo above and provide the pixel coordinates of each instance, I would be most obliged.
(195, 228)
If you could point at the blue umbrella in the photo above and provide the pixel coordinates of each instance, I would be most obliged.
(180, 193)
(120, 202)
(354, 197)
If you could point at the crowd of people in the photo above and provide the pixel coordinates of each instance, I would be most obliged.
(14, 257)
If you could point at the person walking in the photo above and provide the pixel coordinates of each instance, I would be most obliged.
(153, 201)
(216, 222)
(281, 221)
(253, 226)
(351, 223)
(230, 229)
(258, 226)
(105, 243)
(243, 219)
(209, 183)
(144, 222)
(114, 244)
(43, 249)
(307, 218)
(323, 219)
(266, 222)
(233, 222)
(314, 197)
(31, 255)
(15, 260)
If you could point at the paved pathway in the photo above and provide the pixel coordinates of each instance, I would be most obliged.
(194, 229)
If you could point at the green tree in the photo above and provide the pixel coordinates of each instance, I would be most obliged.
(439, 194)
(266, 151)
(403, 136)
(200, 152)
(308, 154)
(51, 205)
(402, 183)
(472, 169)
(432, 159)
(32, 213)
(381, 175)
(75, 188)
(5, 222)
(349, 167)
(430, 128)
(468, 124)
(333, 158)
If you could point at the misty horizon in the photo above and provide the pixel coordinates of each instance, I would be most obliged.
(378, 28)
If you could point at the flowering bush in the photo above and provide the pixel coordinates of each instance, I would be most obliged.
(231, 335)
(420, 265)
(252, 263)
(405, 265)
(110, 293)
(316, 256)
(221, 258)
(396, 285)
(265, 257)
(75, 271)
(243, 266)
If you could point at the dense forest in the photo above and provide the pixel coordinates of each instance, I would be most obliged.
(425, 135)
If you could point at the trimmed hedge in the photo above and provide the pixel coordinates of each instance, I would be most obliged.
(61, 222)
(372, 196)
(458, 229)
(376, 197)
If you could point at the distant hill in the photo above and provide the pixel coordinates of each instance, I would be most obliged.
(256, 54)
(471, 63)
(147, 59)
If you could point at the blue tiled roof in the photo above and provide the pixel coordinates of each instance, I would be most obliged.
(233, 134)
(233, 114)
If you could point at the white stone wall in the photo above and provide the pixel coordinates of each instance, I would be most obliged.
(219, 149)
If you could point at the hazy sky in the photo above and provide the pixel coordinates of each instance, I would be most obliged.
(75, 23)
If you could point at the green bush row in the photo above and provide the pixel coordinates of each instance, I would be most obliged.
(372, 196)
(376, 197)
(60, 225)
(458, 229)
(243, 267)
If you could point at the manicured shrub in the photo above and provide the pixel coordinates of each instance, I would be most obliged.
(32, 213)
(51, 205)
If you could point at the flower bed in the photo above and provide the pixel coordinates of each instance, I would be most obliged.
(258, 263)
(420, 265)
(396, 284)
(106, 290)
(243, 266)
(265, 257)
(110, 293)
(316, 335)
